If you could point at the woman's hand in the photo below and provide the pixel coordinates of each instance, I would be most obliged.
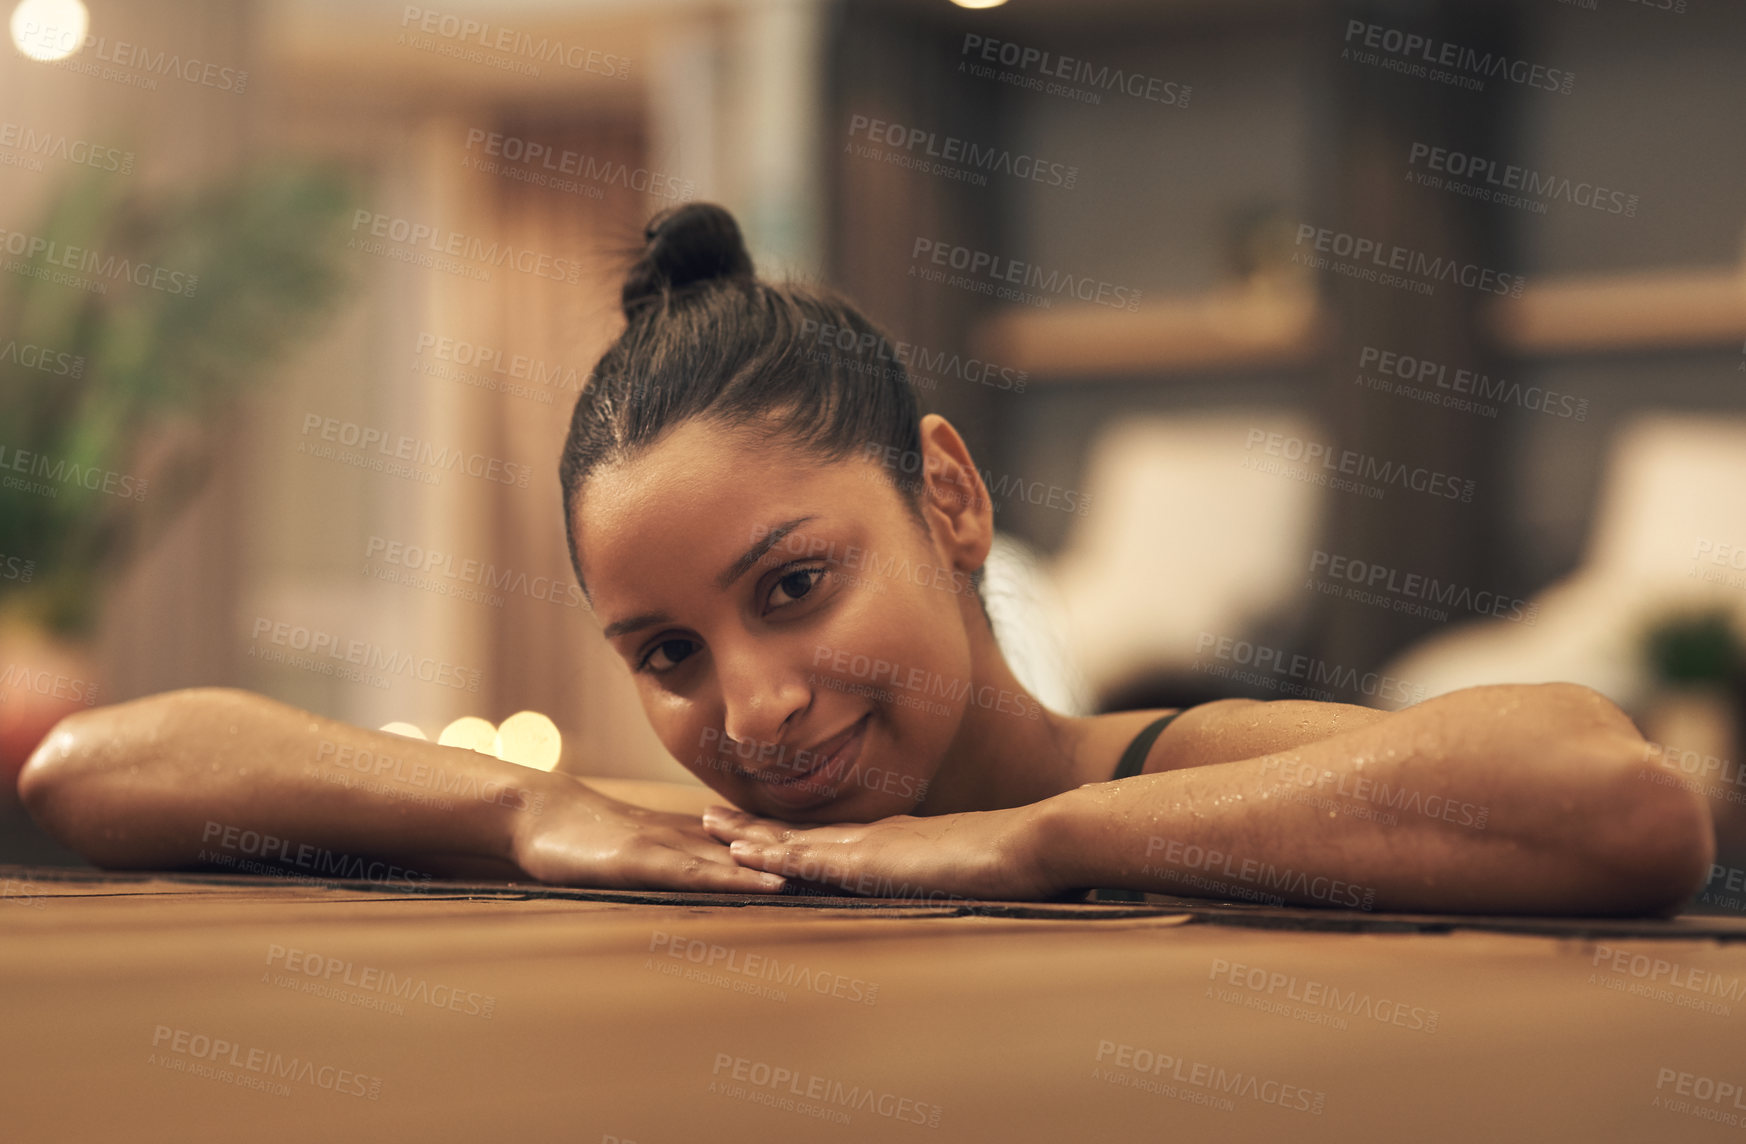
(987, 855)
(588, 839)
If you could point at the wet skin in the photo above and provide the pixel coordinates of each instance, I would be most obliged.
(773, 608)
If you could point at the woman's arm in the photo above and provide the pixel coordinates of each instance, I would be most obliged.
(1537, 798)
(1230, 730)
(227, 779)
(689, 799)
(1534, 798)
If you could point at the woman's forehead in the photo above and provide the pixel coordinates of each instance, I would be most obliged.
(697, 468)
(700, 497)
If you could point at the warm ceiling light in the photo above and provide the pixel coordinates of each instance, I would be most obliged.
(527, 737)
(471, 732)
(979, 3)
(531, 739)
(49, 29)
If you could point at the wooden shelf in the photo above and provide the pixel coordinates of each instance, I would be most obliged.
(1643, 310)
(1281, 326)
(1222, 330)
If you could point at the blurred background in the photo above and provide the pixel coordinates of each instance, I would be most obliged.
(1332, 350)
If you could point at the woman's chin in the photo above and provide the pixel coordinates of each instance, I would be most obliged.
(854, 806)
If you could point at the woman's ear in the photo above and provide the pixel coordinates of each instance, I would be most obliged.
(953, 495)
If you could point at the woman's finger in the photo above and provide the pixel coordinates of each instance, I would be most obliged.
(737, 879)
(800, 860)
(728, 825)
(677, 868)
(755, 854)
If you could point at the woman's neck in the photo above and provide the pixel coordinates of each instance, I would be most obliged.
(1001, 758)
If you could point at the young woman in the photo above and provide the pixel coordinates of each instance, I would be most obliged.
(803, 621)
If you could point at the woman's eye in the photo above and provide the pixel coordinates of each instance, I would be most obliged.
(795, 585)
(665, 648)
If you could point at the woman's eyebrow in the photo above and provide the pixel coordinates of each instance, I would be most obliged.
(632, 623)
(724, 581)
(758, 548)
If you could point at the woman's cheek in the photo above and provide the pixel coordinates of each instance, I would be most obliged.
(684, 739)
(705, 760)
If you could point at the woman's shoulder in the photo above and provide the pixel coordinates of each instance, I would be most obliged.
(1228, 730)
(1128, 740)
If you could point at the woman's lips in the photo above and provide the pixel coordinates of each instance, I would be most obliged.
(819, 784)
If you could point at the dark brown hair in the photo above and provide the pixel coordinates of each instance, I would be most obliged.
(706, 338)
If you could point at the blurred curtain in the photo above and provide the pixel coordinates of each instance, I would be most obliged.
(538, 654)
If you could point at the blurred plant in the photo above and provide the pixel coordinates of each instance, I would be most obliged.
(1696, 647)
(159, 368)
(1259, 242)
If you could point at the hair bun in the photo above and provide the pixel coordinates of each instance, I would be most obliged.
(684, 245)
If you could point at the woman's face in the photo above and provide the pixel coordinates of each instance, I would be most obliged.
(798, 643)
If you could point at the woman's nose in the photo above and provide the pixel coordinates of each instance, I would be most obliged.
(759, 700)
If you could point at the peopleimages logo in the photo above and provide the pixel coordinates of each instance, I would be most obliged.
(19, 677)
(1263, 984)
(874, 670)
(823, 1097)
(377, 770)
(1428, 58)
(318, 973)
(402, 447)
(51, 145)
(1142, 1067)
(312, 647)
(545, 165)
(950, 150)
(1498, 178)
(1728, 1098)
(1180, 857)
(466, 572)
(1373, 579)
(207, 1052)
(267, 853)
(761, 967)
(1378, 792)
(64, 41)
(1350, 463)
(984, 269)
(1304, 669)
(16, 568)
(1001, 487)
(1050, 67)
(1465, 390)
(66, 473)
(845, 348)
(34, 247)
(460, 30)
(1428, 269)
(1658, 978)
(440, 240)
(34, 357)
